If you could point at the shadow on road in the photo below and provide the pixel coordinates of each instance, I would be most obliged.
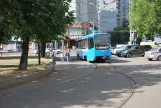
(103, 92)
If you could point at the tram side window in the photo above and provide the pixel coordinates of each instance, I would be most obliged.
(77, 44)
(91, 43)
(83, 44)
(86, 44)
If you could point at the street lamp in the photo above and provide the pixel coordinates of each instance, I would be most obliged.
(93, 17)
(130, 22)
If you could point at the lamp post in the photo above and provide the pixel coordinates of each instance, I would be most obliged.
(93, 17)
(130, 22)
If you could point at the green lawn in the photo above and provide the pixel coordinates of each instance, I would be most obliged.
(9, 67)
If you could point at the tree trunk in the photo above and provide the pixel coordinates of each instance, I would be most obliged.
(24, 56)
(43, 48)
(39, 57)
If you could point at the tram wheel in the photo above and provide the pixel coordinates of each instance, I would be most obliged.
(107, 61)
(85, 58)
(77, 55)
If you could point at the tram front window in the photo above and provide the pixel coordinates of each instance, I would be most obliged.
(102, 41)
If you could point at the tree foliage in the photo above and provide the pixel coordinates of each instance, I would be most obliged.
(145, 16)
(41, 20)
(119, 36)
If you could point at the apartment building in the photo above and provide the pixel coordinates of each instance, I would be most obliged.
(73, 7)
(122, 7)
(107, 14)
(112, 13)
(86, 11)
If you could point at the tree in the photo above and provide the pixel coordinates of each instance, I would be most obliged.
(125, 24)
(119, 36)
(5, 22)
(43, 48)
(3, 36)
(41, 20)
(146, 17)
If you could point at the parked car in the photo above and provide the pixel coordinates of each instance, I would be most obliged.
(146, 47)
(119, 52)
(153, 44)
(154, 53)
(57, 51)
(136, 50)
(120, 45)
(113, 51)
(112, 48)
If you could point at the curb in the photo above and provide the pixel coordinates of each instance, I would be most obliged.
(25, 79)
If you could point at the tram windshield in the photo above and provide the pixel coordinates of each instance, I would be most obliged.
(102, 41)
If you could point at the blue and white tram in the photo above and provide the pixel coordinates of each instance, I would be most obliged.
(94, 46)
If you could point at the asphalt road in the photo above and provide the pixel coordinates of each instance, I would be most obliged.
(80, 84)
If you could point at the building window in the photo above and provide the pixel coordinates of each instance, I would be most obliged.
(76, 31)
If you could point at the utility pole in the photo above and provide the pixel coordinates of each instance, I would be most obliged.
(55, 44)
(130, 22)
(93, 16)
(93, 25)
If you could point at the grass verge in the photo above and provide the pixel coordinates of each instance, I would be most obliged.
(12, 71)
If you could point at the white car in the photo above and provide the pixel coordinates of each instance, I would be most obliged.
(56, 51)
(154, 53)
(113, 51)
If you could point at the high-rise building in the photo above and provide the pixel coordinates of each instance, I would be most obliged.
(107, 14)
(122, 7)
(73, 7)
(112, 13)
(86, 10)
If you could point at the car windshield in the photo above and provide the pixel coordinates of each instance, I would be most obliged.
(154, 49)
(126, 47)
(157, 44)
(118, 47)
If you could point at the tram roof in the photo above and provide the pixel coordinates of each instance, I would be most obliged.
(89, 36)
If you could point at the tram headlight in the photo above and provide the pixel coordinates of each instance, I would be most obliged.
(97, 46)
(107, 46)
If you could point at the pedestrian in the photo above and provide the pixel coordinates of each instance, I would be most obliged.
(67, 56)
(53, 59)
(62, 57)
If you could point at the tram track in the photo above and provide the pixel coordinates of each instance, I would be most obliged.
(72, 78)
(133, 83)
(47, 86)
(96, 66)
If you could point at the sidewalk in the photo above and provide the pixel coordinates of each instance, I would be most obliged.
(61, 67)
(69, 86)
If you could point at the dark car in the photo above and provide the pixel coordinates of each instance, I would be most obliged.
(119, 53)
(136, 50)
(146, 47)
